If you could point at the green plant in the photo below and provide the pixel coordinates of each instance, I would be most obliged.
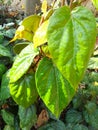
(51, 67)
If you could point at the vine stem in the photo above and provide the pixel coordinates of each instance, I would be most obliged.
(71, 1)
(62, 2)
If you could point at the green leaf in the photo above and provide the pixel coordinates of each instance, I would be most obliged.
(53, 88)
(22, 63)
(8, 117)
(4, 90)
(91, 114)
(1, 38)
(80, 127)
(40, 36)
(2, 70)
(95, 2)
(93, 63)
(71, 37)
(8, 127)
(20, 46)
(73, 117)
(54, 125)
(5, 52)
(27, 116)
(24, 90)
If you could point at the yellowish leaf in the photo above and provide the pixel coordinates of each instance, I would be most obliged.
(44, 6)
(27, 28)
(95, 2)
(40, 36)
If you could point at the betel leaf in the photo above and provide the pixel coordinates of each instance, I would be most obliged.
(54, 125)
(40, 36)
(95, 2)
(27, 28)
(93, 63)
(19, 46)
(8, 127)
(24, 90)
(73, 117)
(22, 62)
(53, 88)
(8, 117)
(4, 90)
(27, 116)
(5, 52)
(80, 127)
(71, 37)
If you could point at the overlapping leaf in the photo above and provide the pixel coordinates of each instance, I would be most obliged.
(27, 117)
(24, 90)
(40, 36)
(53, 88)
(95, 2)
(27, 28)
(5, 52)
(71, 39)
(22, 62)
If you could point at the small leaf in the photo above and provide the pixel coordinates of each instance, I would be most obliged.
(4, 90)
(8, 117)
(27, 116)
(24, 90)
(44, 6)
(73, 117)
(40, 36)
(80, 127)
(5, 52)
(27, 28)
(54, 125)
(20, 46)
(2, 70)
(53, 88)
(95, 2)
(22, 63)
(8, 127)
(93, 63)
(71, 37)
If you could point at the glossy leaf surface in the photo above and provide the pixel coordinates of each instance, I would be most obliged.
(22, 63)
(24, 90)
(53, 88)
(27, 28)
(40, 36)
(27, 116)
(71, 39)
(95, 2)
(19, 46)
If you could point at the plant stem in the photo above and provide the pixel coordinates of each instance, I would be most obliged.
(71, 1)
(62, 2)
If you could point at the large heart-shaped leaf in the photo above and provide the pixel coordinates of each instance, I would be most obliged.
(24, 90)
(53, 88)
(22, 62)
(71, 39)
